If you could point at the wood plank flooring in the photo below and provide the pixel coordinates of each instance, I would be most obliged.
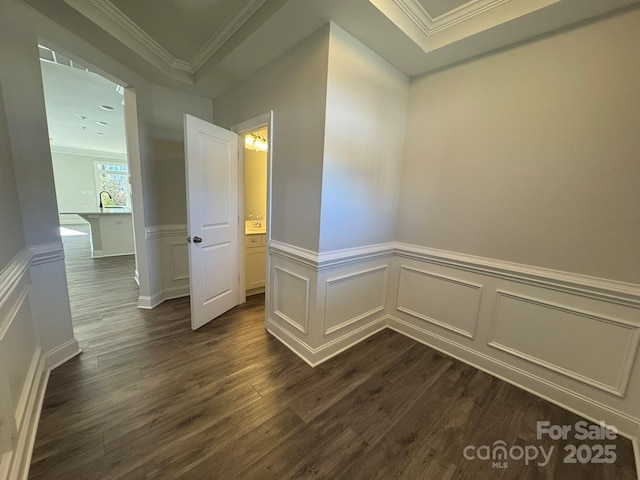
(150, 399)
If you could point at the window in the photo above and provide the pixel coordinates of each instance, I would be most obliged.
(113, 178)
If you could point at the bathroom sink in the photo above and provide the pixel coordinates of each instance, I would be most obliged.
(255, 230)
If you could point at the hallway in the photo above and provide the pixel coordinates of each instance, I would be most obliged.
(149, 398)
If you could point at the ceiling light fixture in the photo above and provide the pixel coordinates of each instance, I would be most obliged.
(255, 141)
(102, 124)
(107, 108)
(100, 134)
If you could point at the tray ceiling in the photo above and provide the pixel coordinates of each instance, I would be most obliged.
(212, 44)
(183, 27)
(436, 8)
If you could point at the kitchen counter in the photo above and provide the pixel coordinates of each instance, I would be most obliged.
(100, 211)
(111, 230)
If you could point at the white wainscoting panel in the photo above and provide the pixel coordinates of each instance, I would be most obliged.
(167, 243)
(179, 261)
(291, 298)
(352, 297)
(582, 345)
(20, 344)
(445, 301)
(568, 338)
(23, 369)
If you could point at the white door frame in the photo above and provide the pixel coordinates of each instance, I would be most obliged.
(142, 272)
(137, 199)
(259, 121)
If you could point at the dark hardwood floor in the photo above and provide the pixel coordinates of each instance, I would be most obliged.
(149, 398)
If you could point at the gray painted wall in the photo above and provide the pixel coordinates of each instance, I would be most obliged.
(364, 135)
(168, 106)
(294, 87)
(27, 128)
(532, 154)
(10, 220)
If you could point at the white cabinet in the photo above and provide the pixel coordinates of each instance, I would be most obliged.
(255, 261)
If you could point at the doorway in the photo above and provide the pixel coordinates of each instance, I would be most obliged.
(218, 233)
(91, 163)
(256, 148)
(259, 166)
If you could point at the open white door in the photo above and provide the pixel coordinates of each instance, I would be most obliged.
(212, 214)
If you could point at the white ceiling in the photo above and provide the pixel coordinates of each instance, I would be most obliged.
(73, 99)
(206, 46)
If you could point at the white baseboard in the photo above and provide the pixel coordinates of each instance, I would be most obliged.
(61, 354)
(316, 356)
(177, 292)
(151, 302)
(293, 343)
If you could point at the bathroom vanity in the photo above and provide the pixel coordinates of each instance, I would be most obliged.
(111, 231)
(255, 259)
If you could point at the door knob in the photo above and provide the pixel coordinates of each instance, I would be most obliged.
(197, 240)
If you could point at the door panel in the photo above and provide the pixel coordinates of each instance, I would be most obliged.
(212, 211)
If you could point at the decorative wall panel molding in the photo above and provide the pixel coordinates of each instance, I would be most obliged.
(448, 302)
(180, 261)
(627, 424)
(171, 243)
(22, 365)
(596, 288)
(291, 298)
(585, 346)
(355, 296)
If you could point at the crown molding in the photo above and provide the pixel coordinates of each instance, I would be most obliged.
(111, 19)
(431, 25)
(476, 16)
(222, 36)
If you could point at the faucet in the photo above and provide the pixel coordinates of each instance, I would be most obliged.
(100, 196)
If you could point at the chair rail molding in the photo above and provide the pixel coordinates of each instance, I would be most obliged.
(613, 291)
